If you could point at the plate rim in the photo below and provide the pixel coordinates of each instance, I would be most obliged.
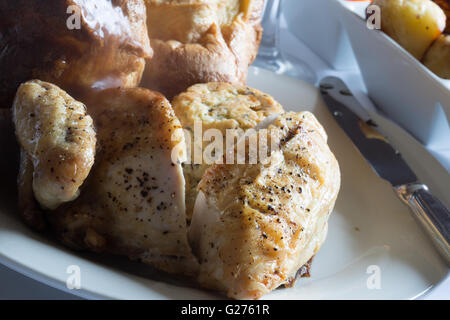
(53, 282)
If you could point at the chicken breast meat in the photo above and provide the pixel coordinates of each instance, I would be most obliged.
(57, 139)
(133, 201)
(255, 225)
(220, 106)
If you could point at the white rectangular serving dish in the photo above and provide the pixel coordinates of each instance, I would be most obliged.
(402, 88)
(400, 85)
(316, 24)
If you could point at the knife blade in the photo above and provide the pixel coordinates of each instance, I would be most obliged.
(388, 163)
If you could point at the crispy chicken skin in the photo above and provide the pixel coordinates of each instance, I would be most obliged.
(58, 141)
(254, 226)
(108, 49)
(199, 41)
(133, 201)
(221, 106)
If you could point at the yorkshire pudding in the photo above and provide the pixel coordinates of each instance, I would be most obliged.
(75, 44)
(199, 41)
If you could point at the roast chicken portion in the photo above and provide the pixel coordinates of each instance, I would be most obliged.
(58, 140)
(445, 5)
(106, 175)
(78, 45)
(132, 203)
(216, 106)
(130, 200)
(255, 225)
(114, 183)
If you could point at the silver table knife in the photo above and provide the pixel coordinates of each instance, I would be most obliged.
(431, 213)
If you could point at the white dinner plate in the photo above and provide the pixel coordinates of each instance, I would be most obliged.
(374, 249)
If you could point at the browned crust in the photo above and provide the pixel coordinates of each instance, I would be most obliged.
(221, 54)
(303, 272)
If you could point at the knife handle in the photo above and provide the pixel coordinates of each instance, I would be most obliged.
(432, 214)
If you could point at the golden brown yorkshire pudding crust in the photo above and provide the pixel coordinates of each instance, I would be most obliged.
(198, 41)
(108, 49)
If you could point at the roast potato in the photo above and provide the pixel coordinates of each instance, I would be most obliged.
(414, 24)
(59, 139)
(437, 58)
